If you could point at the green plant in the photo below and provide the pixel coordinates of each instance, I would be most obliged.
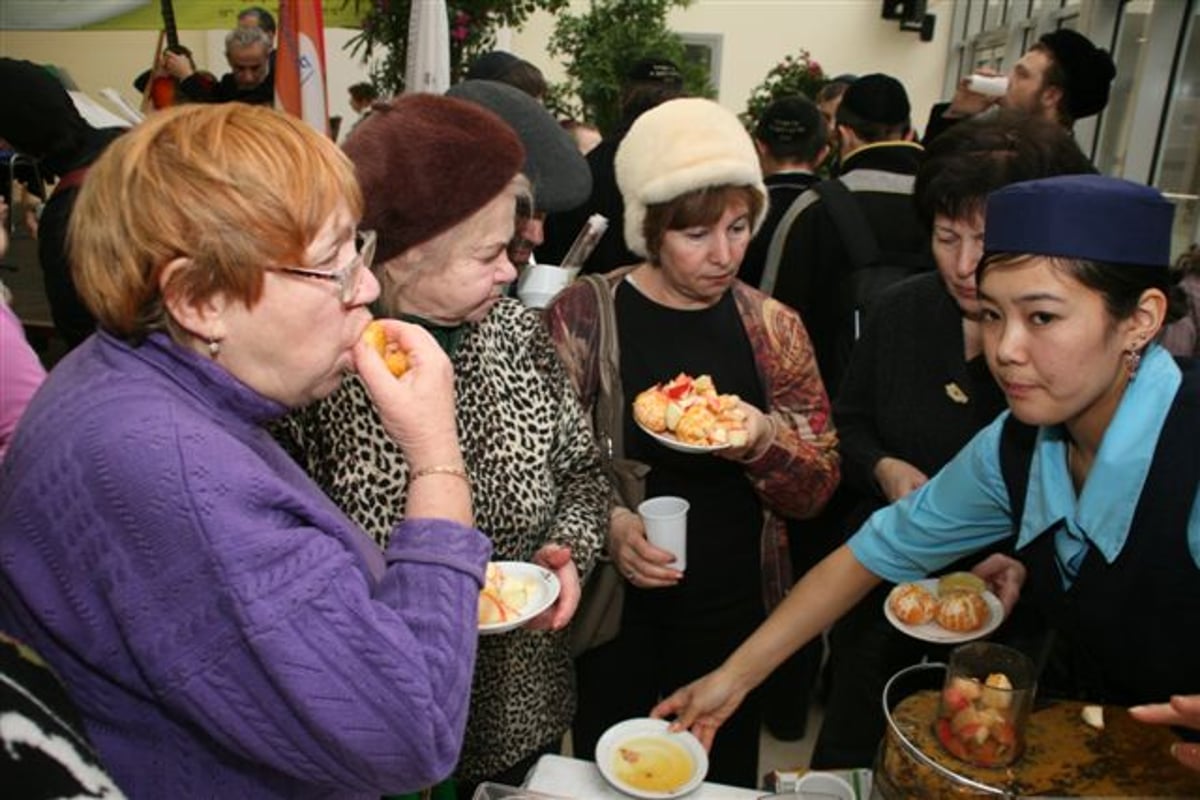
(601, 44)
(798, 74)
(473, 25)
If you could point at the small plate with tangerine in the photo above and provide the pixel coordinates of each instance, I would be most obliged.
(955, 608)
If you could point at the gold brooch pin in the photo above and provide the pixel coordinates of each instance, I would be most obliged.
(955, 393)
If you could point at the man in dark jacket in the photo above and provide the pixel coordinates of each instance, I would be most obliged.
(808, 261)
(1063, 77)
(251, 78)
(792, 140)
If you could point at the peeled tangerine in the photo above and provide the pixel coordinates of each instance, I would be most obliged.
(390, 352)
(912, 604)
(962, 612)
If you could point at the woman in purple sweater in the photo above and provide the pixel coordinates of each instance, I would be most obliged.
(223, 628)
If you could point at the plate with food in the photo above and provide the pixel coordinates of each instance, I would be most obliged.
(689, 415)
(640, 757)
(954, 608)
(514, 592)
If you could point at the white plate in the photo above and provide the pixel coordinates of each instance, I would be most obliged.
(667, 440)
(622, 733)
(545, 595)
(932, 632)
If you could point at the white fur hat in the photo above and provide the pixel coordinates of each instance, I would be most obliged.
(678, 147)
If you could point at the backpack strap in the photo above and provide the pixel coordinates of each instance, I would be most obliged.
(852, 226)
(779, 239)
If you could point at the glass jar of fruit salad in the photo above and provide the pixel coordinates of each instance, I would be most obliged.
(985, 704)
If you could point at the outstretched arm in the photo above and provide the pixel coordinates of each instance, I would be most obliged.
(825, 593)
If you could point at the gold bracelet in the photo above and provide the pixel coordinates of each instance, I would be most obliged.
(440, 469)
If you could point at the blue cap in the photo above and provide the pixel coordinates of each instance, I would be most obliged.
(1092, 217)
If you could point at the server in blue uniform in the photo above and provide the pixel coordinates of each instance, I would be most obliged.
(1094, 470)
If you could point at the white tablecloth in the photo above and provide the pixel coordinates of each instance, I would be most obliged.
(581, 780)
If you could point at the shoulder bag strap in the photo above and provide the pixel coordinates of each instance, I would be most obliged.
(610, 395)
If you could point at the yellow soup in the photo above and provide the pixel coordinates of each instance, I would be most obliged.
(652, 764)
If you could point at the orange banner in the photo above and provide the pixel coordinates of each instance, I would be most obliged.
(300, 63)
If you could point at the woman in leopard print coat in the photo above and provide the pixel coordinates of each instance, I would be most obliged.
(537, 484)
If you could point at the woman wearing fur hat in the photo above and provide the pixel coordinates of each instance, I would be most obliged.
(693, 196)
(440, 180)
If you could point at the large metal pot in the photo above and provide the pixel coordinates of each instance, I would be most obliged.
(902, 769)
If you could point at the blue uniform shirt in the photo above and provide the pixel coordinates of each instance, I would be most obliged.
(965, 507)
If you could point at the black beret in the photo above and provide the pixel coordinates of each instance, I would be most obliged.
(558, 171)
(878, 98)
(1089, 71)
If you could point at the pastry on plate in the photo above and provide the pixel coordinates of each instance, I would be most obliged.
(960, 582)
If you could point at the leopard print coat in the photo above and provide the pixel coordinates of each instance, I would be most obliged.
(536, 479)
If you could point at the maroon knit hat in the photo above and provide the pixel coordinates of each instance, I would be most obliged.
(427, 162)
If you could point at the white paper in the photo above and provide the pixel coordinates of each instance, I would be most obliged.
(123, 107)
(96, 115)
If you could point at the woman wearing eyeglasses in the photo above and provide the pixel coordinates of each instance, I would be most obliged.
(225, 630)
(441, 178)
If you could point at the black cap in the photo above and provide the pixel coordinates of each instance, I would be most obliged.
(491, 66)
(878, 98)
(1089, 71)
(788, 120)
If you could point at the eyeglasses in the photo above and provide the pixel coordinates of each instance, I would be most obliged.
(346, 277)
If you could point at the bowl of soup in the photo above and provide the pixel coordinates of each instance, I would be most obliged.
(642, 758)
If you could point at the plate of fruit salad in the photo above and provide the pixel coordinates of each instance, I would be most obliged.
(514, 592)
(689, 415)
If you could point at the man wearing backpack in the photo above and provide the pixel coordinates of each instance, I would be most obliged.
(845, 240)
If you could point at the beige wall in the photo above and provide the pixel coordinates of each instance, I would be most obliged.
(99, 59)
(842, 35)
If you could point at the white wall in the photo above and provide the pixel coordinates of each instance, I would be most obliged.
(842, 35)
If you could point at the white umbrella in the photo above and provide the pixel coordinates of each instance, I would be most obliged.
(427, 68)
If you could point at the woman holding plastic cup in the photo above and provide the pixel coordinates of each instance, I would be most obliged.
(1094, 471)
(693, 197)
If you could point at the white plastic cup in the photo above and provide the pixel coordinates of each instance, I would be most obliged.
(817, 786)
(665, 519)
(988, 85)
(540, 283)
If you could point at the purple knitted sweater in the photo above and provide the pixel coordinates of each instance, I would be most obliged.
(224, 629)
